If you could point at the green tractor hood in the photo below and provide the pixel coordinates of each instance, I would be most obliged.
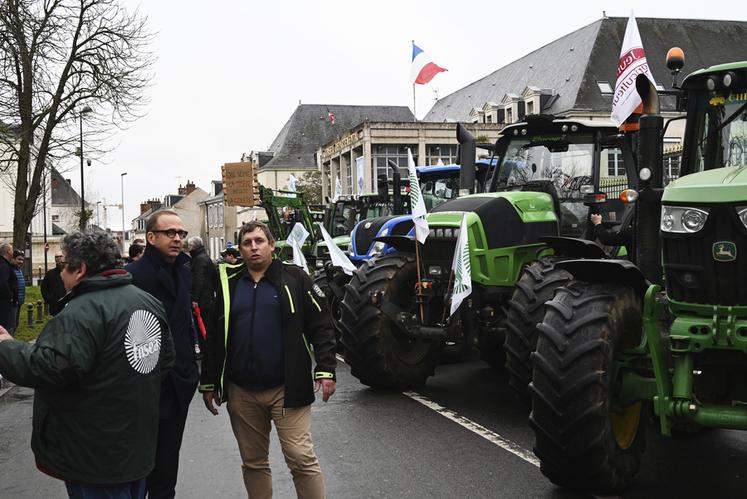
(722, 185)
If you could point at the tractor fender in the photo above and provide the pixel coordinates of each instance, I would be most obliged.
(403, 244)
(607, 270)
(574, 247)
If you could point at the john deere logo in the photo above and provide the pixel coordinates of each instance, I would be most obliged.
(724, 251)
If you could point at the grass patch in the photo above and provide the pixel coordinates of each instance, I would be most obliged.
(24, 331)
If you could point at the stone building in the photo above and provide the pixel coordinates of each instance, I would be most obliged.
(295, 148)
(364, 152)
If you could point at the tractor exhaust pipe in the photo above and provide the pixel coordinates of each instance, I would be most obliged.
(466, 160)
(397, 208)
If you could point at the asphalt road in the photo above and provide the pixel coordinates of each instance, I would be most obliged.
(388, 445)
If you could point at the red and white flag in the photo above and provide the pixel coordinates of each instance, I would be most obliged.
(331, 116)
(423, 68)
(632, 63)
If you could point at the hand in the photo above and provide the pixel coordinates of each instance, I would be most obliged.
(211, 400)
(596, 219)
(328, 387)
(4, 335)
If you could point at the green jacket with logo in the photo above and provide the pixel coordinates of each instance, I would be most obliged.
(306, 322)
(96, 368)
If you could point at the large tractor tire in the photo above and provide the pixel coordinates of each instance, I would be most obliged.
(583, 438)
(526, 309)
(378, 353)
(333, 303)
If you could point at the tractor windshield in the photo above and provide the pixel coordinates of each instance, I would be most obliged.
(721, 122)
(344, 218)
(555, 165)
(436, 191)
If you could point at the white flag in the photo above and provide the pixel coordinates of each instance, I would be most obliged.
(632, 63)
(338, 189)
(292, 181)
(359, 168)
(416, 201)
(296, 238)
(338, 257)
(461, 267)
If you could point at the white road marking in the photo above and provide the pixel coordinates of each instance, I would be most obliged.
(476, 428)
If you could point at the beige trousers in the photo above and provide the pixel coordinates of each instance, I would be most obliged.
(251, 413)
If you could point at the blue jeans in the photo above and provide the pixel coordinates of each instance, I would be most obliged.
(131, 490)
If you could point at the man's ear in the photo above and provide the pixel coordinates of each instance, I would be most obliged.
(80, 273)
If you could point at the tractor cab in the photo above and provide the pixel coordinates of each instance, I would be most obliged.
(579, 163)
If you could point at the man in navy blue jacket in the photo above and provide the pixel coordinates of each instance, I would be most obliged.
(162, 273)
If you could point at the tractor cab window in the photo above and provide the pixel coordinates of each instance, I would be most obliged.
(556, 165)
(377, 210)
(344, 219)
(721, 122)
(438, 191)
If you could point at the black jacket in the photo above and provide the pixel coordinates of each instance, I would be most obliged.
(204, 279)
(97, 369)
(8, 294)
(152, 274)
(306, 322)
(53, 290)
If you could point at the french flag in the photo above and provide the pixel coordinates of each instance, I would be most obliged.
(423, 68)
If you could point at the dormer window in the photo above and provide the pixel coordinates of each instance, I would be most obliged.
(605, 87)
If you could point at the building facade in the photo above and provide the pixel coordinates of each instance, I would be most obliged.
(364, 152)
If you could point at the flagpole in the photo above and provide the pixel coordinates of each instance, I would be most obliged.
(414, 113)
(420, 284)
(448, 292)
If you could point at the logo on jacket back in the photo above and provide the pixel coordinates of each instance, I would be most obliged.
(143, 341)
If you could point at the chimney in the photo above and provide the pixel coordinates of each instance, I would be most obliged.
(150, 204)
(189, 188)
(182, 191)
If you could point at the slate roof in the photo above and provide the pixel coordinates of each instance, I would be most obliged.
(572, 64)
(309, 127)
(62, 193)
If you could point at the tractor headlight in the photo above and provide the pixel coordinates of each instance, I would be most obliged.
(682, 220)
(377, 249)
(742, 212)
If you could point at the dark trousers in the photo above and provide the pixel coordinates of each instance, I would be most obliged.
(132, 490)
(162, 480)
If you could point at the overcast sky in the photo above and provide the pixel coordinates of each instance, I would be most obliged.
(230, 74)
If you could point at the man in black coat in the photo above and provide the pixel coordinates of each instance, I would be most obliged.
(204, 278)
(52, 288)
(162, 273)
(8, 287)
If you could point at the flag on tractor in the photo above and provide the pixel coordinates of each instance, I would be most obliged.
(461, 268)
(331, 116)
(416, 201)
(632, 63)
(423, 69)
(338, 257)
(296, 238)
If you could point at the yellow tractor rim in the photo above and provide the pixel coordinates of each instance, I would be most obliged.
(625, 424)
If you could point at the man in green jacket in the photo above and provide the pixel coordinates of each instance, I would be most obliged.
(96, 369)
(266, 318)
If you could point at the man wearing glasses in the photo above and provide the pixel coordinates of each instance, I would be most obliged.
(162, 273)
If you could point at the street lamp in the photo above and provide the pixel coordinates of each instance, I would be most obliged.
(121, 177)
(83, 111)
(98, 222)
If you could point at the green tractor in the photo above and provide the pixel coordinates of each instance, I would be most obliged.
(545, 183)
(668, 335)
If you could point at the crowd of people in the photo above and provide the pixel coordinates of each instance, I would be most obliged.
(115, 369)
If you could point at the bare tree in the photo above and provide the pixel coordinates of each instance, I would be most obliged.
(57, 57)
